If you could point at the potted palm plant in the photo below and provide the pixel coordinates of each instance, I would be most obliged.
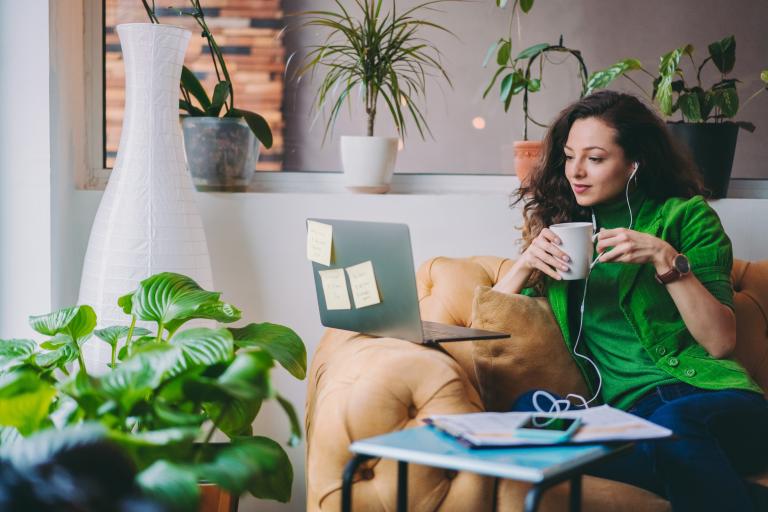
(166, 392)
(382, 57)
(220, 140)
(517, 77)
(705, 126)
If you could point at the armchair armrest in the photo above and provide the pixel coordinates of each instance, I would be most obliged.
(361, 387)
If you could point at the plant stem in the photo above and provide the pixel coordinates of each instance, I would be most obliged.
(208, 436)
(130, 335)
(81, 361)
(159, 332)
(216, 55)
(150, 11)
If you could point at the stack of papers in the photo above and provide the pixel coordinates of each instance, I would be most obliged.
(599, 424)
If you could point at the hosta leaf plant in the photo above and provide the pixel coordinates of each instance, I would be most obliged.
(373, 53)
(167, 390)
(195, 101)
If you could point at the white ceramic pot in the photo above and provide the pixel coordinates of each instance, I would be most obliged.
(368, 163)
(147, 221)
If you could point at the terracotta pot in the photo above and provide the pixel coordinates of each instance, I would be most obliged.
(215, 499)
(527, 155)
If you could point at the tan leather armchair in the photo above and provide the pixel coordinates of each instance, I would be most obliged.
(361, 386)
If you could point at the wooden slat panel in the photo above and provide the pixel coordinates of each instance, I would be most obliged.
(258, 76)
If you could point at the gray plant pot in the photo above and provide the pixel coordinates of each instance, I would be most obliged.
(221, 152)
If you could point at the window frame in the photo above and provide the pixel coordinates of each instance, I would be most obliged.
(290, 181)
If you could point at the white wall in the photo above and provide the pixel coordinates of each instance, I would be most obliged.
(25, 191)
(257, 248)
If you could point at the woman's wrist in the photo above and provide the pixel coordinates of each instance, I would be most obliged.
(662, 259)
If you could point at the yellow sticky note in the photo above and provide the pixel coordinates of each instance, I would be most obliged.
(335, 289)
(319, 242)
(363, 283)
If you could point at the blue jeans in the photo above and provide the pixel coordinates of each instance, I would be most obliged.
(720, 437)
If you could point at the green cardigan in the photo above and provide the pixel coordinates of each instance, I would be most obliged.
(693, 228)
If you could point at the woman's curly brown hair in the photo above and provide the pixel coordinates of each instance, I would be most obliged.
(665, 170)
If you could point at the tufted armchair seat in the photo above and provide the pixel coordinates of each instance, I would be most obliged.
(361, 386)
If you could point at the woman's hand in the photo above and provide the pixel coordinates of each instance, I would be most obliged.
(628, 246)
(544, 254)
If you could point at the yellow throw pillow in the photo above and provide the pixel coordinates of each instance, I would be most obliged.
(533, 357)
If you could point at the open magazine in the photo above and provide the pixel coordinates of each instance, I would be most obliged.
(599, 424)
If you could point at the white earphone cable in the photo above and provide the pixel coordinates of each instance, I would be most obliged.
(562, 405)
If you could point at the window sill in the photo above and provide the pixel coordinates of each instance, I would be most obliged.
(418, 184)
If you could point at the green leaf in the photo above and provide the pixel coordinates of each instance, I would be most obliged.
(505, 50)
(532, 51)
(689, 105)
(764, 76)
(112, 335)
(15, 348)
(77, 322)
(281, 342)
(167, 297)
(526, 5)
(256, 464)
(170, 415)
(14, 352)
(293, 418)
(723, 54)
(58, 358)
(247, 378)
(534, 85)
(171, 484)
(190, 109)
(491, 50)
(603, 78)
(160, 437)
(257, 124)
(135, 379)
(25, 400)
(219, 311)
(234, 417)
(220, 95)
(506, 86)
(201, 347)
(190, 82)
(728, 101)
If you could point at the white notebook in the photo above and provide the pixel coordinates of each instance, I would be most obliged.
(599, 424)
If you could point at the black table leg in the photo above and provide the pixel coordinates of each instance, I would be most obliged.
(533, 497)
(402, 486)
(576, 493)
(346, 481)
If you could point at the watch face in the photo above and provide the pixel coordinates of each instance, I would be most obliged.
(681, 264)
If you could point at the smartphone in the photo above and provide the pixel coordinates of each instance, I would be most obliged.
(548, 428)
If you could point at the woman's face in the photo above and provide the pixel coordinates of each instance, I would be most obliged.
(595, 165)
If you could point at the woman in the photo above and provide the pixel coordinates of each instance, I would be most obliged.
(658, 318)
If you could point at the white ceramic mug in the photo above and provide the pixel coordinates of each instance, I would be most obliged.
(577, 244)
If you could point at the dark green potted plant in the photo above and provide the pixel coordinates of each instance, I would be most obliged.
(517, 77)
(220, 140)
(383, 55)
(166, 393)
(705, 126)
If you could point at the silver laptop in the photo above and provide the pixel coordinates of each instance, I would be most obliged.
(388, 247)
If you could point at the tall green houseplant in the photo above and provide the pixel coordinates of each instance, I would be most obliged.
(382, 57)
(168, 389)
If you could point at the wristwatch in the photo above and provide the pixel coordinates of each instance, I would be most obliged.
(680, 268)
